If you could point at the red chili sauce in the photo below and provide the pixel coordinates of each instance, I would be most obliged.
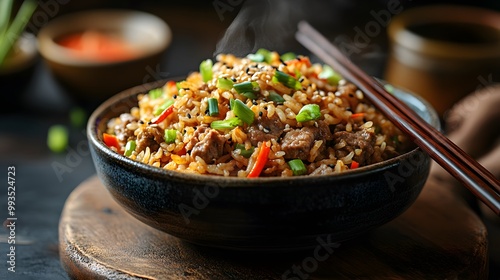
(98, 46)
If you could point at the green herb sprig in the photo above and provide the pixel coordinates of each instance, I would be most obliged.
(10, 31)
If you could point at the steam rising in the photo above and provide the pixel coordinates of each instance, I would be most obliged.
(261, 24)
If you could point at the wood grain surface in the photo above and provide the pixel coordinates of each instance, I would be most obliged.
(98, 239)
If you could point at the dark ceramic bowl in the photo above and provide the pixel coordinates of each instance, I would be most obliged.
(263, 213)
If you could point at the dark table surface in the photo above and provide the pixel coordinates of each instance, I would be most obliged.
(41, 190)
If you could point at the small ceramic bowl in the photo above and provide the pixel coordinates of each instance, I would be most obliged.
(262, 213)
(95, 80)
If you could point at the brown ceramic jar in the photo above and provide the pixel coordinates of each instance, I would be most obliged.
(444, 52)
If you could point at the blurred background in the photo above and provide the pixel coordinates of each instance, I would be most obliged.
(35, 100)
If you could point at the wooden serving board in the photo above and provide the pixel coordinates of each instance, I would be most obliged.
(437, 238)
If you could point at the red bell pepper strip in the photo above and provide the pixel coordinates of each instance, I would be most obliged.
(163, 115)
(354, 164)
(261, 160)
(357, 115)
(182, 151)
(171, 87)
(111, 141)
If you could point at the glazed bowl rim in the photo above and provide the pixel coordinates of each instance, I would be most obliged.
(231, 181)
(50, 50)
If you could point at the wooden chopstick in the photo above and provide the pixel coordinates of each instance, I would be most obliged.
(441, 149)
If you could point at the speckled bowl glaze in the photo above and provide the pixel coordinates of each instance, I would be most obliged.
(263, 213)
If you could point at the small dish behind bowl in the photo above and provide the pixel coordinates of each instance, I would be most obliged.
(93, 80)
(261, 214)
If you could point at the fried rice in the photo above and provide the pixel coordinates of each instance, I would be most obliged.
(261, 115)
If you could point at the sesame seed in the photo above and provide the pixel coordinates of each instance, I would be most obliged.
(266, 130)
(260, 113)
(189, 115)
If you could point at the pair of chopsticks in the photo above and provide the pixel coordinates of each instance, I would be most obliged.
(441, 149)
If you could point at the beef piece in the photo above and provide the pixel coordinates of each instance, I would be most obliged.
(265, 129)
(195, 139)
(356, 140)
(122, 133)
(150, 136)
(298, 142)
(211, 147)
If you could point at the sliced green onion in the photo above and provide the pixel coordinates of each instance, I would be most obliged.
(129, 148)
(155, 93)
(226, 124)
(206, 70)
(256, 57)
(78, 117)
(231, 103)
(242, 111)
(178, 84)
(330, 75)
(276, 97)
(213, 107)
(288, 56)
(262, 55)
(170, 136)
(224, 83)
(286, 79)
(298, 167)
(250, 95)
(309, 112)
(244, 152)
(246, 87)
(163, 106)
(57, 138)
